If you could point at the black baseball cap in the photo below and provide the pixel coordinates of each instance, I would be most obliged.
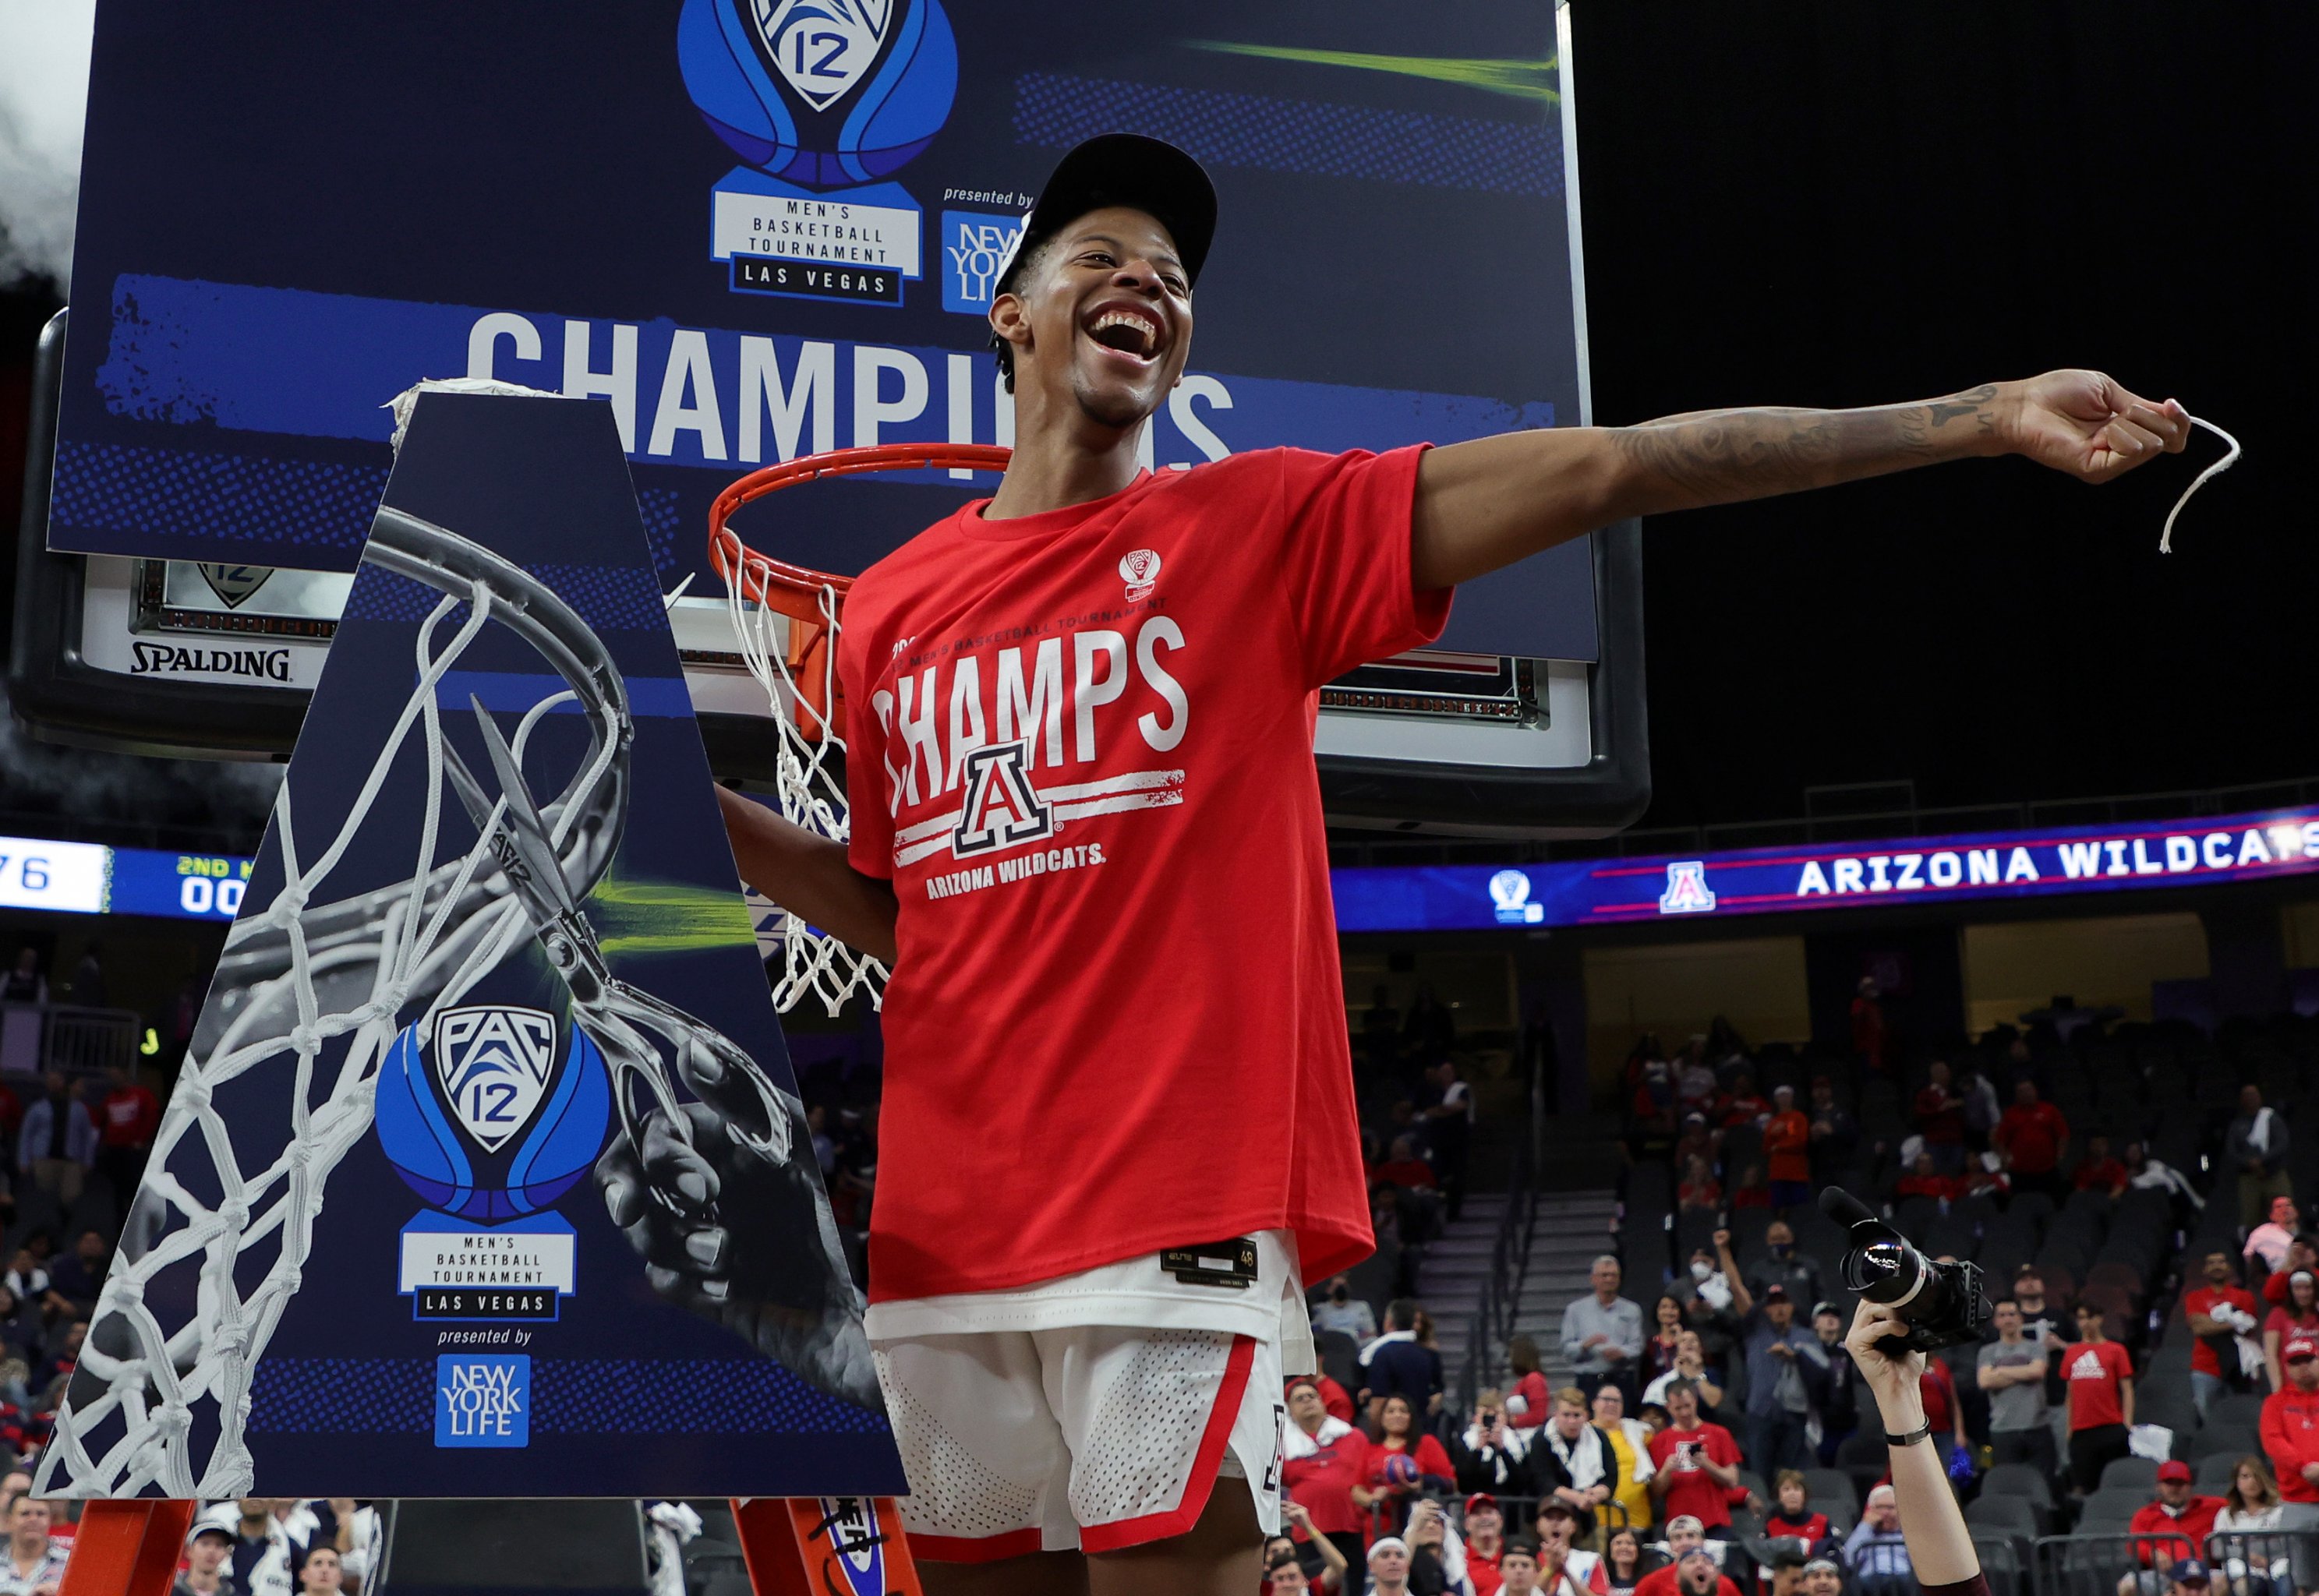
(1148, 175)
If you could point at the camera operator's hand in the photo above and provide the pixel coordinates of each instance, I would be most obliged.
(1894, 1380)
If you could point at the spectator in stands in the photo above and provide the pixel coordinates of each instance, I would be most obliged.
(1943, 1409)
(2042, 1323)
(1695, 1465)
(2298, 1315)
(63, 1357)
(1450, 1123)
(1631, 1444)
(1323, 1462)
(1690, 1365)
(2177, 1511)
(1697, 1141)
(1521, 1567)
(1485, 1541)
(1822, 1576)
(2291, 1422)
(1396, 1364)
(1792, 1519)
(1787, 1143)
(1491, 1456)
(1693, 1571)
(2012, 1370)
(1781, 1265)
(2100, 1170)
(1340, 1310)
(2190, 1577)
(1868, 1025)
(1402, 1167)
(2302, 1253)
(1938, 1114)
(1699, 1192)
(1784, 1368)
(1924, 1179)
(2146, 1174)
(1389, 1491)
(319, 1574)
(1745, 1105)
(1624, 1564)
(1430, 1031)
(79, 1276)
(2256, 1147)
(1836, 1414)
(2035, 1139)
(1835, 1133)
(1603, 1332)
(2270, 1239)
(25, 983)
(1985, 1176)
(1437, 1559)
(206, 1572)
(1752, 1190)
(2250, 1507)
(1530, 1401)
(1666, 1331)
(57, 1144)
(131, 1116)
(1694, 1078)
(2100, 1376)
(1283, 1575)
(89, 975)
(1574, 1462)
(36, 1562)
(1388, 1565)
(2220, 1313)
(1876, 1551)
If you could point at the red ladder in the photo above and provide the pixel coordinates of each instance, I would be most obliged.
(794, 1546)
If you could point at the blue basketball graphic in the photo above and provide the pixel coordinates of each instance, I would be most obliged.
(821, 92)
(488, 1118)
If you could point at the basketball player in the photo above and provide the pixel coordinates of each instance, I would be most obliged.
(1119, 1130)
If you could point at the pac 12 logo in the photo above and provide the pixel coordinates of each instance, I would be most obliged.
(494, 1113)
(820, 93)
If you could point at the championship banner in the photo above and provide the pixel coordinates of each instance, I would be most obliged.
(486, 1175)
(767, 227)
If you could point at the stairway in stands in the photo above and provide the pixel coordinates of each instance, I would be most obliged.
(1572, 1229)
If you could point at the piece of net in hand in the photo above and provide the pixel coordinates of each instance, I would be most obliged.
(311, 992)
(787, 618)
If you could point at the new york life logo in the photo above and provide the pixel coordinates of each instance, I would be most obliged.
(483, 1400)
(976, 245)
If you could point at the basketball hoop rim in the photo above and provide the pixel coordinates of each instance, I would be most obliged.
(800, 590)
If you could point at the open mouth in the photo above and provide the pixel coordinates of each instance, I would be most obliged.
(1126, 330)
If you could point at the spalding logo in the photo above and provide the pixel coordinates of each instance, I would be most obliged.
(827, 94)
(491, 1127)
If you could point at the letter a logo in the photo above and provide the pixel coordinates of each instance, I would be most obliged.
(1001, 808)
(1686, 890)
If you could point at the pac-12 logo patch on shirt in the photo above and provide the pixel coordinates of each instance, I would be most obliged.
(1141, 571)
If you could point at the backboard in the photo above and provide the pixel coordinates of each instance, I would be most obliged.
(755, 232)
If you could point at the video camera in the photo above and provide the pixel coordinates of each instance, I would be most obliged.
(1942, 1303)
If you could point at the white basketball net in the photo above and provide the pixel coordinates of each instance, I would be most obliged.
(805, 787)
(294, 980)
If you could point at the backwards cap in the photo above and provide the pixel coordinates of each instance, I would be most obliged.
(1148, 175)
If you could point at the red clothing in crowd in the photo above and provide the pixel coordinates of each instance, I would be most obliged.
(1940, 1115)
(130, 1116)
(2287, 1321)
(1319, 1473)
(2196, 1521)
(2290, 1439)
(1335, 1401)
(2108, 1176)
(12, 1111)
(1690, 1488)
(1409, 1172)
(1787, 1143)
(2274, 1284)
(1700, 1193)
(1743, 1111)
(1054, 721)
(1432, 1459)
(1948, 1189)
(1758, 1195)
(2205, 1300)
(1661, 1582)
(1937, 1389)
(2096, 1371)
(1538, 1402)
(1482, 1571)
(2032, 1134)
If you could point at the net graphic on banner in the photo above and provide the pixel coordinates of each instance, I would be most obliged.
(486, 1069)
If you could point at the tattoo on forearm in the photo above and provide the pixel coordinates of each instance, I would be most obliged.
(1720, 457)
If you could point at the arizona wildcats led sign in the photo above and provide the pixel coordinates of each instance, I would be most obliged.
(1778, 881)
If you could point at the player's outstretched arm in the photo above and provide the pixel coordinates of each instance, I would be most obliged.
(809, 876)
(1485, 504)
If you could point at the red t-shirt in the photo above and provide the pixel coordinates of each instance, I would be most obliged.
(132, 1114)
(1689, 1490)
(2290, 1439)
(1662, 1582)
(1409, 1172)
(2107, 1175)
(1323, 1481)
(1787, 1142)
(2205, 1300)
(1940, 1115)
(1538, 1402)
(1946, 1187)
(2196, 1523)
(2093, 1369)
(1482, 1571)
(1082, 751)
(1937, 1389)
(2033, 1135)
(2287, 1321)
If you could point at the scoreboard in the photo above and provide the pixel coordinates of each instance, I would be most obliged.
(90, 879)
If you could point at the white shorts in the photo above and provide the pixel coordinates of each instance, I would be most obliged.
(1090, 1413)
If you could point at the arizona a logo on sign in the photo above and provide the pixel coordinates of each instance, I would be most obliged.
(494, 1063)
(1687, 892)
(823, 48)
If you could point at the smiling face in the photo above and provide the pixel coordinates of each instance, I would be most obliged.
(1101, 319)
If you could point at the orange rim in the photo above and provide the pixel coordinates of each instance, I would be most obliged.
(795, 590)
